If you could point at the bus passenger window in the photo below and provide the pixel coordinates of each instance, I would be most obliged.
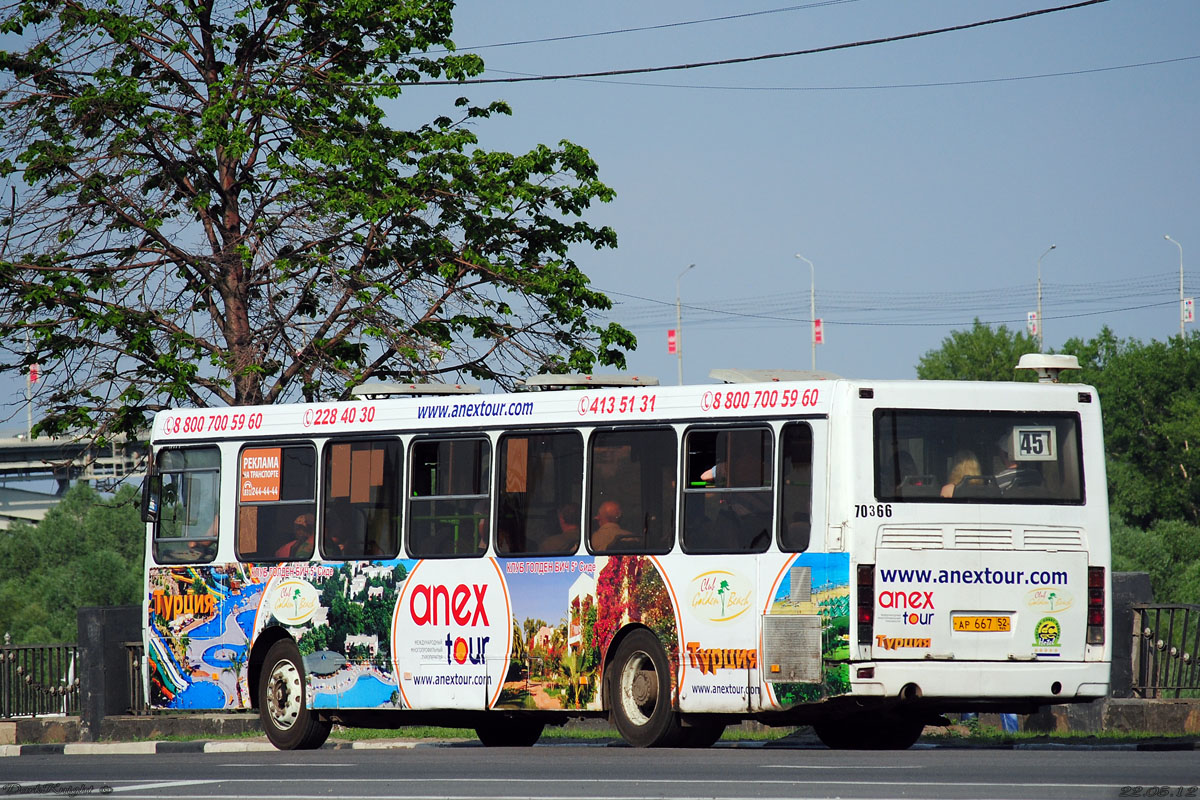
(187, 528)
(361, 511)
(728, 495)
(795, 500)
(539, 474)
(631, 491)
(277, 503)
(448, 497)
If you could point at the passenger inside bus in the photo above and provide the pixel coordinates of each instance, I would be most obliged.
(966, 479)
(1013, 478)
(567, 538)
(303, 538)
(965, 465)
(609, 533)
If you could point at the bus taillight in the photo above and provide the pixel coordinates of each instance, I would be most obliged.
(1095, 608)
(866, 603)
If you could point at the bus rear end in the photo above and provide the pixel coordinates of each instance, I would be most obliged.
(981, 563)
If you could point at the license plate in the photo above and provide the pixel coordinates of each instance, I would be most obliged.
(999, 624)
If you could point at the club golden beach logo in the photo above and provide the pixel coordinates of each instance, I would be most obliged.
(294, 602)
(719, 596)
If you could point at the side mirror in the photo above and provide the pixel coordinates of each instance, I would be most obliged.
(151, 497)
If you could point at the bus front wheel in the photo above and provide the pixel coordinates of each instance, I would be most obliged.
(640, 686)
(286, 718)
(701, 735)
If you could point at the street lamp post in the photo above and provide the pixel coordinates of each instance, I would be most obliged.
(679, 325)
(812, 305)
(1040, 323)
(1177, 244)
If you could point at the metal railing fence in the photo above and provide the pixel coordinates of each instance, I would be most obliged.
(38, 680)
(1166, 644)
(135, 652)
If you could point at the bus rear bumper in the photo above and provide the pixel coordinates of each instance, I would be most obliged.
(1056, 682)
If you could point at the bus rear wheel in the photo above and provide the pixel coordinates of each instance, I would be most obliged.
(640, 692)
(870, 732)
(509, 732)
(286, 718)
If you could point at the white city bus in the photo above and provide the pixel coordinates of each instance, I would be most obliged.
(861, 556)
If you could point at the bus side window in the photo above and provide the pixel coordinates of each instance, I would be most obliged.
(795, 500)
(728, 494)
(277, 503)
(361, 510)
(186, 531)
(448, 497)
(539, 474)
(631, 491)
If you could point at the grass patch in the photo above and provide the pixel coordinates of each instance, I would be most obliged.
(551, 733)
(407, 732)
(987, 734)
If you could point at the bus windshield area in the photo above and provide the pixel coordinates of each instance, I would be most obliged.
(978, 456)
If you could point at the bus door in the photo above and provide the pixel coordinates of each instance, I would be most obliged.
(804, 600)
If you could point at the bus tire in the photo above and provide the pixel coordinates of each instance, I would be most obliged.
(897, 732)
(640, 691)
(839, 734)
(509, 733)
(701, 735)
(282, 707)
(874, 732)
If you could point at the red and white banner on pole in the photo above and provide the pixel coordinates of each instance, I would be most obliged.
(672, 343)
(818, 332)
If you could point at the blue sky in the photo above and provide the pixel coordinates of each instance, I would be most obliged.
(920, 207)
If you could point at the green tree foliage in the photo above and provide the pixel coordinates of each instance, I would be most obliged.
(86, 552)
(978, 354)
(209, 206)
(1151, 423)
(1169, 551)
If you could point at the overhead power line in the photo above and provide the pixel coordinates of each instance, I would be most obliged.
(768, 56)
(1006, 305)
(663, 26)
(885, 86)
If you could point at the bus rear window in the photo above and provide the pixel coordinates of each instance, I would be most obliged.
(978, 456)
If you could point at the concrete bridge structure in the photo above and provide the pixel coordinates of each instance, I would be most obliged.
(38, 464)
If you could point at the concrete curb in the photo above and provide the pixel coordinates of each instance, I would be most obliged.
(255, 746)
(198, 746)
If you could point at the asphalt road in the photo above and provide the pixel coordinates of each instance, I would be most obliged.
(591, 771)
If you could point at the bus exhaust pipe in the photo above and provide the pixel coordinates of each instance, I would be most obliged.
(911, 691)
